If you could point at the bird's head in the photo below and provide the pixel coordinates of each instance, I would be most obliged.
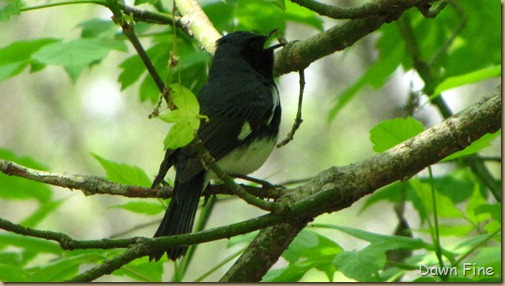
(250, 47)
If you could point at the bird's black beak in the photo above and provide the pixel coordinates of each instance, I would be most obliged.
(267, 36)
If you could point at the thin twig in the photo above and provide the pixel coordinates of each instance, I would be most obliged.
(129, 32)
(234, 187)
(431, 12)
(442, 51)
(65, 241)
(298, 118)
(138, 14)
(110, 265)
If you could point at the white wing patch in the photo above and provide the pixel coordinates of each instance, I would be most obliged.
(276, 101)
(245, 131)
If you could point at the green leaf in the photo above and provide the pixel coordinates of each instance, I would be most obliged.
(10, 258)
(149, 90)
(376, 75)
(77, 54)
(455, 230)
(18, 188)
(180, 135)
(15, 57)
(297, 13)
(445, 207)
(124, 174)
(242, 239)
(184, 99)
(9, 8)
(310, 245)
(291, 273)
(191, 70)
(41, 213)
(303, 241)
(181, 115)
(307, 251)
(462, 247)
(142, 270)
(476, 200)
(476, 146)
(387, 242)
(98, 28)
(452, 230)
(261, 15)
(394, 192)
(362, 265)
(468, 78)
(142, 207)
(133, 68)
(494, 210)
(390, 133)
(186, 117)
(489, 256)
(456, 185)
(29, 243)
(426, 279)
(66, 267)
(9, 273)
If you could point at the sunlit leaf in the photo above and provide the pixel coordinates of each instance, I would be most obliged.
(361, 265)
(98, 28)
(179, 135)
(76, 55)
(142, 270)
(124, 174)
(476, 146)
(9, 8)
(15, 57)
(390, 133)
(184, 99)
(142, 207)
(468, 78)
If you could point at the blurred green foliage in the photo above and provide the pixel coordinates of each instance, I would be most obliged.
(461, 46)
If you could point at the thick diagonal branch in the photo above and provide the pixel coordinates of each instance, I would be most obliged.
(339, 187)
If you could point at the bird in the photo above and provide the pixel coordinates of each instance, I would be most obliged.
(242, 105)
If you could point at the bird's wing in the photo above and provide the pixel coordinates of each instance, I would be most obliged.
(234, 114)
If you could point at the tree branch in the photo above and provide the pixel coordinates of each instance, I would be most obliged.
(339, 187)
(299, 55)
(93, 185)
(66, 242)
(331, 190)
(377, 8)
(196, 24)
(89, 185)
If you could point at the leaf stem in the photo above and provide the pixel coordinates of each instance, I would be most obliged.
(475, 247)
(438, 248)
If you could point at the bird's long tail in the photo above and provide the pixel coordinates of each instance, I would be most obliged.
(180, 214)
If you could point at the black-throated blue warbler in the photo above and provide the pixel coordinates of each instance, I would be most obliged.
(243, 108)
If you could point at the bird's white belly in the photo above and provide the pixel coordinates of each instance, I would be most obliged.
(246, 160)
